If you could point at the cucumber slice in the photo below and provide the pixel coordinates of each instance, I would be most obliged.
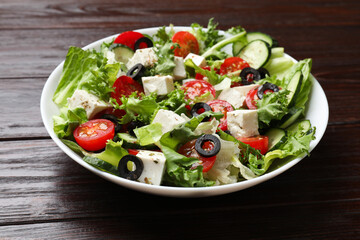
(294, 86)
(256, 53)
(278, 65)
(122, 53)
(277, 52)
(251, 36)
(276, 137)
(237, 46)
(291, 117)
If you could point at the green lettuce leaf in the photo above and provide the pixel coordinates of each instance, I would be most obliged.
(67, 121)
(144, 108)
(272, 107)
(178, 167)
(207, 38)
(111, 155)
(85, 69)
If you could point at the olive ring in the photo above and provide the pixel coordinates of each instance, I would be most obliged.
(136, 72)
(198, 106)
(146, 40)
(207, 138)
(266, 86)
(246, 72)
(125, 172)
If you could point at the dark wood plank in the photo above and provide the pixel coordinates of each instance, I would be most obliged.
(95, 14)
(43, 189)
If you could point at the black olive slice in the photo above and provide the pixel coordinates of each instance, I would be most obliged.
(146, 40)
(136, 72)
(124, 170)
(114, 119)
(263, 72)
(198, 106)
(207, 138)
(266, 86)
(249, 76)
(134, 124)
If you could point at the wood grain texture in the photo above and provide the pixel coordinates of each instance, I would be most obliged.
(44, 194)
(40, 185)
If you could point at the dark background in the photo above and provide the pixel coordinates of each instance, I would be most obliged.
(44, 194)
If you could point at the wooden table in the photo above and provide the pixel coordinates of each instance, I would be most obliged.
(46, 195)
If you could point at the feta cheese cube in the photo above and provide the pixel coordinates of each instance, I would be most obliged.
(161, 85)
(224, 84)
(154, 166)
(145, 56)
(243, 123)
(198, 60)
(179, 70)
(168, 120)
(236, 95)
(91, 103)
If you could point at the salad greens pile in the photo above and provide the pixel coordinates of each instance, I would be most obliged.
(280, 114)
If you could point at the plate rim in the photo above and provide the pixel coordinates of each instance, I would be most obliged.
(170, 191)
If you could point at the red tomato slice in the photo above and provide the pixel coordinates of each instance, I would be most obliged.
(188, 150)
(258, 142)
(129, 38)
(221, 106)
(133, 151)
(233, 64)
(93, 135)
(125, 86)
(187, 44)
(251, 98)
(197, 88)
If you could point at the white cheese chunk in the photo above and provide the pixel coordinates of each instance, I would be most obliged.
(91, 103)
(110, 55)
(179, 70)
(243, 123)
(198, 60)
(161, 85)
(145, 56)
(224, 84)
(154, 166)
(168, 120)
(236, 95)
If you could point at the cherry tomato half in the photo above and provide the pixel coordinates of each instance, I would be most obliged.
(188, 150)
(197, 88)
(128, 39)
(93, 135)
(125, 86)
(233, 64)
(221, 106)
(251, 98)
(187, 44)
(258, 142)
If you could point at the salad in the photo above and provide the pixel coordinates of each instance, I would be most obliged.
(194, 108)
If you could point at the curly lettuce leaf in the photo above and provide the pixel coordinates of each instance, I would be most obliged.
(67, 121)
(145, 107)
(85, 69)
(206, 38)
(105, 160)
(272, 107)
(178, 167)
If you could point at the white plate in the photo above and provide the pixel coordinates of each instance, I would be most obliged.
(317, 113)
